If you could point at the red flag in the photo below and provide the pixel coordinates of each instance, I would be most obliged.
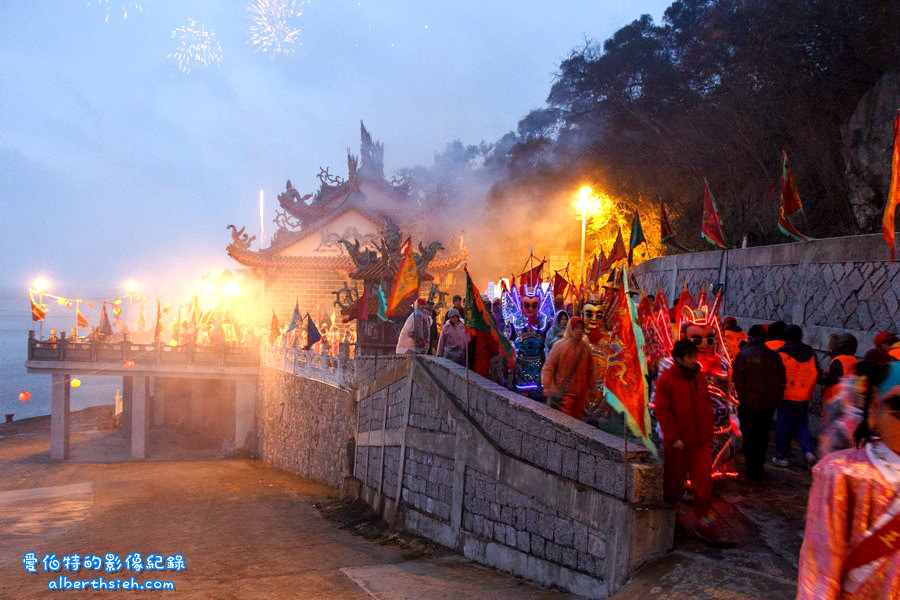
(80, 320)
(660, 302)
(711, 229)
(158, 329)
(604, 263)
(701, 297)
(618, 250)
(503, 287)
(559, 284)
(37, 311)
(890, 207)
(478, 321)
(685, 300)
(531, 278)
(790, 201)
(274, 328)
(406, 282)
(625, 385)
(644, 309)
(667, 234)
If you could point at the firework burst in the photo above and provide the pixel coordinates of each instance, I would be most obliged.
(197, 45)
(108, 5)
(271, 32)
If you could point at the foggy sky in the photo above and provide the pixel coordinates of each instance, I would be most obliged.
(114, 164)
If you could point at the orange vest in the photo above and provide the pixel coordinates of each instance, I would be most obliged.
(774, 344)
(801, 378)
(848, 363)
(733, 340)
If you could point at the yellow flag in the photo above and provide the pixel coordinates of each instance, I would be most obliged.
(406, 282)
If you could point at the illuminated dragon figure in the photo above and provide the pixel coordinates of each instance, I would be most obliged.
(527, 319)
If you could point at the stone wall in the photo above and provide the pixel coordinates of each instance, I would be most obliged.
(826, 286)
(304, 426)
(310, 288)
(506, 481)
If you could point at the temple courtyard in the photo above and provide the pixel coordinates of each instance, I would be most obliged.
(249, 530)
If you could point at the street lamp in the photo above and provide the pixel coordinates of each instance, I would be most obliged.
(583, 205)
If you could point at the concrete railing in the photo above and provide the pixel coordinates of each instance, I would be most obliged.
(64, 350)
(506, 481)
(826, 286)
(339, 371)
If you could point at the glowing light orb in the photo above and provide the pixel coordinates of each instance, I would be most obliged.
(197, 45)
(129, 364)
(271, 32)
(75, 383)
(130, 286)
(231, 288)
(108, 4)
(25, 396)
(40, 285)
(594, 205)
(173, 343)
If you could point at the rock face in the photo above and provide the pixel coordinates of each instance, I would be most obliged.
(867, 142)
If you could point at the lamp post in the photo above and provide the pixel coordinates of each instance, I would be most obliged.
(583, 206)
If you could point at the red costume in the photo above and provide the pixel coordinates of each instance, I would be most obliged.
(684, 413)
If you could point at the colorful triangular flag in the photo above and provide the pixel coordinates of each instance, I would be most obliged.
(790, 201)
(890, 207)
(295, 317)
(274, 328)
(637, 236)
(711, 230)
(312, 333)
(667, 234)
(406, 281)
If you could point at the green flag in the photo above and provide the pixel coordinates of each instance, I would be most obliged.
(479, 320)
(382, 304)
(637, 236)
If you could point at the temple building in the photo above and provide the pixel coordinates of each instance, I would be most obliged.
(309, 258)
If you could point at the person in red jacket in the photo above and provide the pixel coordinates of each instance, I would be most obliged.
(685, 416)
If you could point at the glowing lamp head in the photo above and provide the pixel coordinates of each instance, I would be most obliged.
(40, 285)
(231, 288)
(75, 383)
(25, 396)
(131, 286)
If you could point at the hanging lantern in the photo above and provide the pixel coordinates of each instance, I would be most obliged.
(117, 301)
(90, 304)
(25, 396)
(173, 343)
(61, 301)
(129, 364)
(75, 382)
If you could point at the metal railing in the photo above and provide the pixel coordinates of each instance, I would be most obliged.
(140, 354)
(339, 371)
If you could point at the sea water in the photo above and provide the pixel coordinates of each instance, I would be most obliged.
(15, 322)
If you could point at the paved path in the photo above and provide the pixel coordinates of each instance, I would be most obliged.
(245, 529)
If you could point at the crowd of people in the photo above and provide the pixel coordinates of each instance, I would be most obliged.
(715, 382)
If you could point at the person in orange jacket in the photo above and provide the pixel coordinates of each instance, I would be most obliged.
(775, 335)
(802, 373)
(842, 349)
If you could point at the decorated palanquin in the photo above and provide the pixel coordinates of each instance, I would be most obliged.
(702, 327)
(527, 317)
(309, 258)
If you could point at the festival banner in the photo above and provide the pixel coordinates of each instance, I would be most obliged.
(158, 328)
(660, 302)
(274, 328)
(701, 297)
(312, 333)
(636, 237)
(382, 304)
(559, 284)
(479, 320)
(295, 317)
(37, 311)
(625, 385)
(618, 250)
(890, 207)
(406, 282)
(531, 278)
(790, 201)
(80, 320)
(684, 300)
(667, 234)
(105, 328)
(711, 229)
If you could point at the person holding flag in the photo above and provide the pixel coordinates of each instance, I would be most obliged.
(415, 336)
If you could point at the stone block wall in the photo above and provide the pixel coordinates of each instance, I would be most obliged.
(826, 286)
(304, 426)
(506, 481)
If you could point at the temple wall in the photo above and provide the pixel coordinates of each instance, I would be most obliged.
(304, 426)
(311, 287)
(505, 481)
(826, 286)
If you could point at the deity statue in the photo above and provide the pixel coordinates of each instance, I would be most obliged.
(593, 312)
(527, 319)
